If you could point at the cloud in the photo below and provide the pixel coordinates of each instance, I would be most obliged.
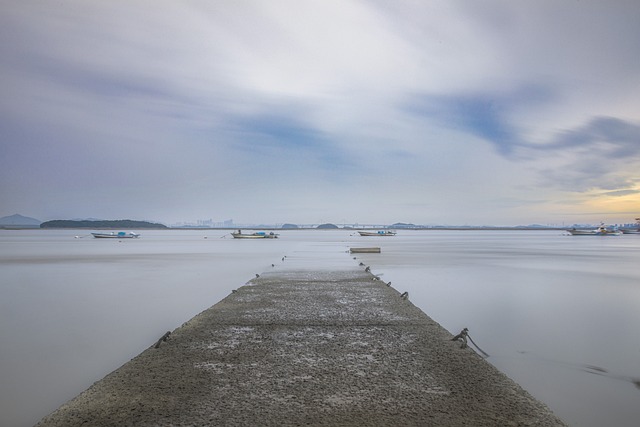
(601, 154)
(607, 137)
(214, 108)
(485, 115)
(622, 193)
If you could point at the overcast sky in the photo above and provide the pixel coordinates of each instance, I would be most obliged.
(431, 112)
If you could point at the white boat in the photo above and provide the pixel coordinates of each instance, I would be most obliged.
(257, 235)
(632, 230)
(114, 235)
(377, 233)
(602, 230)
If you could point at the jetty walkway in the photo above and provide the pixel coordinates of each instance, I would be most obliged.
(304, 347)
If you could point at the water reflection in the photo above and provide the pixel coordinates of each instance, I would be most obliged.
(556, 313)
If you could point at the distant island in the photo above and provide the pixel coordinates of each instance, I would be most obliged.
(118, 223)
(327, 226)
(19, 221)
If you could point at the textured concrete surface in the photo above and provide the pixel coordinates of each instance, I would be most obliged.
(299, 348)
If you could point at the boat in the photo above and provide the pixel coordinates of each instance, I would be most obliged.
(114, 235)
(364, 250)
(602, 230)
(257, 235)
(377, 233)
(632, 230)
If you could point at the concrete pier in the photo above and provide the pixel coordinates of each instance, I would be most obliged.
(307, 348)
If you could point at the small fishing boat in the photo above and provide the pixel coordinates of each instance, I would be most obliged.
(114, 235)
(602, 230)
(257, 235)
(377, 233)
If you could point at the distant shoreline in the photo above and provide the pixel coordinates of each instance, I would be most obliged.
(488, 228)
(451, 228)
(102, 224)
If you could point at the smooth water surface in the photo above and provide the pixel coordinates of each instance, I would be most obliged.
(556, 313)
(74, 308)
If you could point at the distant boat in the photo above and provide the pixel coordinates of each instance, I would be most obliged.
(256, 235)
(632, 230)
(600, 231)
(377, 233)
(114, 235)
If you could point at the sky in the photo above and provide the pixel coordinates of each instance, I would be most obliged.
(431, 112)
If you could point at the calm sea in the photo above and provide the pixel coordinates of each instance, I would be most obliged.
(556, 313)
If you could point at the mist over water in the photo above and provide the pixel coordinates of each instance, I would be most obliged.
(556, 313)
